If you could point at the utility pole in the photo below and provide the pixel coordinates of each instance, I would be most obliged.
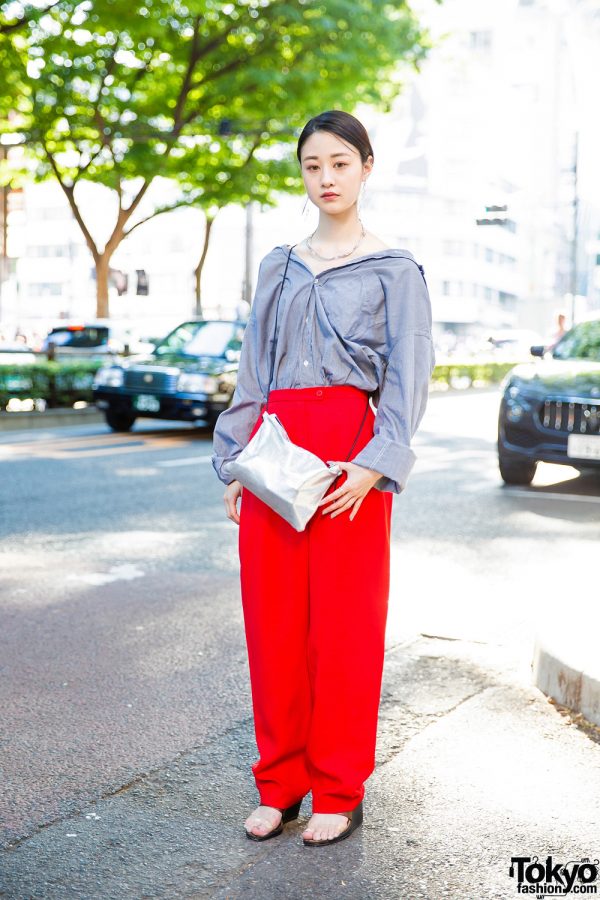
(575, 237)
(247, 291)
(4, 216)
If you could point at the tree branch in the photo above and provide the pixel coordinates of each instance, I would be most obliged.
(182, 204)
(187, 79)
(10, 27)
(69, 191)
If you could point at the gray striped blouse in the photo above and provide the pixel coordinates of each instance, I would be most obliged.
(366, 323)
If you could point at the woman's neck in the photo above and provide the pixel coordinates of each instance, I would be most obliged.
(337, 232)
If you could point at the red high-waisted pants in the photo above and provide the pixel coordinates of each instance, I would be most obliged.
(315, 609)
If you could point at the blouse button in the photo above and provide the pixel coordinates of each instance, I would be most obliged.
(316, 281)
(305, 362)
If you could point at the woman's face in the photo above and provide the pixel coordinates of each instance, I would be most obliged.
(330, 165)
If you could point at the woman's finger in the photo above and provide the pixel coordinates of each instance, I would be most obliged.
(334, 495)
(336, 504)
(231, 509)
(356, 507)
(351, 500)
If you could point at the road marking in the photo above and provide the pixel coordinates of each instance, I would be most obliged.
(547, 495)
(116, 573)
(91, 446)
(184, 461)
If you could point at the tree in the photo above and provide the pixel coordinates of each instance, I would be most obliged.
(120, 91)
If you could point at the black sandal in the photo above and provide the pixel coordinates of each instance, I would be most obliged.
(287, 815)
(354, 815)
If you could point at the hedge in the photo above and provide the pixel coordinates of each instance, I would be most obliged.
(61, 384)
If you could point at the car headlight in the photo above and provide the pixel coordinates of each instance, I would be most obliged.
(109, 376)
(515, 412)
(193, 383)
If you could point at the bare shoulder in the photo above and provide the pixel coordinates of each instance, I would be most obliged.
(372, 243)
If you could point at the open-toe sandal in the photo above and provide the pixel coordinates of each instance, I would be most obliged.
(287, 815)
(354, 815)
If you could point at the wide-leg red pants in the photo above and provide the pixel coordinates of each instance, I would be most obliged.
(315, 609)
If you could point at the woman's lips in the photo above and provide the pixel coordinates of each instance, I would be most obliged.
(329, 196)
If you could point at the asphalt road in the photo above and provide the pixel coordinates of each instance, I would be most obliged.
(126, 718)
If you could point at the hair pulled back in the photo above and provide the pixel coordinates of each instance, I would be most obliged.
(342, 124)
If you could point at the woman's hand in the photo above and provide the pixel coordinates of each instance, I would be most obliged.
(232, 492)
(352, 492)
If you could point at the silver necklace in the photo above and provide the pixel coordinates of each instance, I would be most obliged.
(340, 255)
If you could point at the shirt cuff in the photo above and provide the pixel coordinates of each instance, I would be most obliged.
(394, 461)
(222, 469)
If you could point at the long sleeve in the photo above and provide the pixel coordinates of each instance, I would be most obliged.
(404, 390)
(234, 425)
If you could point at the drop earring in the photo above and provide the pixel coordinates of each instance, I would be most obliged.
(304, 207)
(361, 194)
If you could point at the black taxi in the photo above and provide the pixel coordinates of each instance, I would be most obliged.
(190, 376)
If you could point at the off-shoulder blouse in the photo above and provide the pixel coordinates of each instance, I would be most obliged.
(366, 323)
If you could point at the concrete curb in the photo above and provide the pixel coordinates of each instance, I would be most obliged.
(16, 421)
(566, 663)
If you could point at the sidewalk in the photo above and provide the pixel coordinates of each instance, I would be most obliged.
(474, 766)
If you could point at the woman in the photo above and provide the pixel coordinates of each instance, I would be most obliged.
(354, 322)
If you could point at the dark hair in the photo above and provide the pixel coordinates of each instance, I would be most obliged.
(344, 126)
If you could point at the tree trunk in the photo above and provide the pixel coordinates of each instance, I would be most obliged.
(102, 267)
(200, 266)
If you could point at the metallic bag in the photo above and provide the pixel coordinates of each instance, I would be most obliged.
(289, 479)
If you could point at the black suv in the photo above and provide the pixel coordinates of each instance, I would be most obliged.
(190, 375)
(550, 408)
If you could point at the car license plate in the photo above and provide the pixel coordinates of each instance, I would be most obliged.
(146, 403)
(584, 446)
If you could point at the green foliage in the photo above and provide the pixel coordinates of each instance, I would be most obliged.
(487, 372)
(60, 384)
(117, 90)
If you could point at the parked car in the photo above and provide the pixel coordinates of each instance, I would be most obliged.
(190, 376)
(550, 408)
(94, 338)
(512, 343)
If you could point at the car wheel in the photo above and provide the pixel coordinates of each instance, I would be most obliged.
(516, 471)
(119, 421)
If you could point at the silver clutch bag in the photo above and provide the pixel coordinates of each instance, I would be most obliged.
(288, 478)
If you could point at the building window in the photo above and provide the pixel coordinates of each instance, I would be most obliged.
(47, 251)
(454, 248)
(45, 289)
(480, 40)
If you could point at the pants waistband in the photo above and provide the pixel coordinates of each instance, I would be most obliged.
(319, 392)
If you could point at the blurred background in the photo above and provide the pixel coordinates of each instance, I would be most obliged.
(486, 139)
(147, 164)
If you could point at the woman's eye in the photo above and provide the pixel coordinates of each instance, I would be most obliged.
(310, 168)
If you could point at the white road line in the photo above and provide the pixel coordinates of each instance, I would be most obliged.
(184, 461)
(125, 572)
(546, 495)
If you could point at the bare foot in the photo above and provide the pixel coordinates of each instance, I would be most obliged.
(263, 820)
(324, 826)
